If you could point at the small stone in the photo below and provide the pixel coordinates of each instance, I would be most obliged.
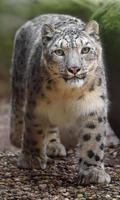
(108, 196)
(118, 196)
(42, 186)
(80, 195)
(66, 194)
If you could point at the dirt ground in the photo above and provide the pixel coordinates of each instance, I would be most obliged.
(58, 181)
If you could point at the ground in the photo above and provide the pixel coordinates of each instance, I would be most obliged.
(58, 181)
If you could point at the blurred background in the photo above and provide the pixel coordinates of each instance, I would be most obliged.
(13, 13)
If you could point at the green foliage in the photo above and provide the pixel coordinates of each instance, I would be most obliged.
(80, 8)
(108, 17)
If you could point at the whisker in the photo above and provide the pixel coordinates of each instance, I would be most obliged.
(53, 78)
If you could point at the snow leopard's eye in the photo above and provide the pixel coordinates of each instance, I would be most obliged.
(59, 52)
(85, 50)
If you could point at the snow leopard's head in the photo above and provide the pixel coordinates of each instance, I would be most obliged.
(72, 53)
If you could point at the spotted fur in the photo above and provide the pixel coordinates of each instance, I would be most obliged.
(58, 83)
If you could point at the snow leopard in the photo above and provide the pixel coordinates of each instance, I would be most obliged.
(58, 85)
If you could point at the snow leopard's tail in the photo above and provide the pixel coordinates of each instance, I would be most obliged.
(18, 71)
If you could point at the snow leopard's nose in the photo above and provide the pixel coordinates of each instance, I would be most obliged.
(73, 70)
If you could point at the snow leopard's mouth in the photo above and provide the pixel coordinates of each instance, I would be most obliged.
(75, 77)
(78, 80)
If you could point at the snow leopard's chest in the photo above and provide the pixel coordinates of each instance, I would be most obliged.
(64, 105)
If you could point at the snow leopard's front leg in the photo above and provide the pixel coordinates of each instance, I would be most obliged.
(54, 147)
(91, 149)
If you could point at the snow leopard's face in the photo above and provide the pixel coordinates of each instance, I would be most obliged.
(74, 53)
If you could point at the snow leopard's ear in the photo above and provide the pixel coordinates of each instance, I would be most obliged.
(47, 33)
(92, 28)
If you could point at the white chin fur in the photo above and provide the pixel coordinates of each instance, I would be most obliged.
(76, 83)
